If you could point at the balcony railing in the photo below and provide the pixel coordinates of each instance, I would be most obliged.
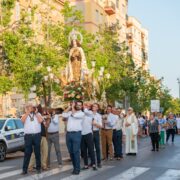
(129, 36)
(110, 7)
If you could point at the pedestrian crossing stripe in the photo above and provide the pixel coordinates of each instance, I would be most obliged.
(48, 173)
(130, 173)
(6, 167)
(10, 174)
(87, 173)
(170, 174)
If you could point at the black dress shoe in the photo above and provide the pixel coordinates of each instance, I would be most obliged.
(94, 168)
(38, 171)
(153, 150)
(24, 173)
(76, 172)
(99, 166)
(85, 168)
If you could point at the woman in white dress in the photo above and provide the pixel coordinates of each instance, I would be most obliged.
(130, 127)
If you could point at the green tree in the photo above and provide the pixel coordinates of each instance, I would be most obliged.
(5, 84)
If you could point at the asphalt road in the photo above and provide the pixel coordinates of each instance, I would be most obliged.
(147, 165)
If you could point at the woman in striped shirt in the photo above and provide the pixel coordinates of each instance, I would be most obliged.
(153, 129)
(171, 127)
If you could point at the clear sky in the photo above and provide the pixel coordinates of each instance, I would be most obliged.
(162, 19)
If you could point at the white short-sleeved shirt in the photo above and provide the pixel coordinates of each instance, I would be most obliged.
(111, 119)
(87, 125)
(54, 124)
(119, 123)
(74, 122)
(32, 127)
(97, 118)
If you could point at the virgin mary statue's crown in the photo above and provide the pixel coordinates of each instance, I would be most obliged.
(73, 35)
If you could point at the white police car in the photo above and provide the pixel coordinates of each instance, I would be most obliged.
(11, 136)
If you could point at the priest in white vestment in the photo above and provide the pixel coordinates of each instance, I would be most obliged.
(130, 127)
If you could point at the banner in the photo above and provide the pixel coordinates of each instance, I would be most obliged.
(155, 106)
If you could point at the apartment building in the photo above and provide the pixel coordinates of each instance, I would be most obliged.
(97, 12)
(138, 42)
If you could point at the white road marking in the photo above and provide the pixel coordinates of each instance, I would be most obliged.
(130, 173)
(170, 174)
(47, 173)
(5, 167)
(10, 173)
(87, 174)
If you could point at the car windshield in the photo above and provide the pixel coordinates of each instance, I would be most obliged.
(2, 121)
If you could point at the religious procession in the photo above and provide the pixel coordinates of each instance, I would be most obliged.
(88, 90)
(95, 131)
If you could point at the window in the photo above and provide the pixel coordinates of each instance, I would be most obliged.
(117, 3)
(19, 124)
(117, 22)
(123, 10)
(97, 16)
(102, 19)
(2, 121)
(11, 124)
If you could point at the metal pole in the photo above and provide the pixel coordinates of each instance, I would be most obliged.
(178, 80)
(179, 89)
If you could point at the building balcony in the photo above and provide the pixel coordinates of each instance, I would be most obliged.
(130, 37)
(61, 1)
(110, 8)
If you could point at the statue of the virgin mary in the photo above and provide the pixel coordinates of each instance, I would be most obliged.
(76, 69)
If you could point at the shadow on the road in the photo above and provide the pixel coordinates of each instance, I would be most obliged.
(13, 156)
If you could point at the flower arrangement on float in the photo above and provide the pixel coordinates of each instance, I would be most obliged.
(73, 91)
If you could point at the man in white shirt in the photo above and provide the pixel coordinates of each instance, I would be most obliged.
(109, 120)
(97, 125)
(74, 116)
(119, 134)
(53, 138)
(114, 136)
(32, 128)
(87, 144)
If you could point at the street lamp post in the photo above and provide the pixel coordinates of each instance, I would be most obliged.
(93, 63)
(50, 79)
(104, 80)
(178, 80)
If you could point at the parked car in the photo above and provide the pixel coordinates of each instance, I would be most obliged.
(11, 136)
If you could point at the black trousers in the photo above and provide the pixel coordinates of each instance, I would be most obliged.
(119, 135)
(96, 139)
(170, 132)
(155, 140)
(114, 140)
(87, 146)
(32, 142)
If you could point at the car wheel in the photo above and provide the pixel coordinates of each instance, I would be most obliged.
(2, 152)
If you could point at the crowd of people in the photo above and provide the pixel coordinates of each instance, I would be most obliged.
(91, 133)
